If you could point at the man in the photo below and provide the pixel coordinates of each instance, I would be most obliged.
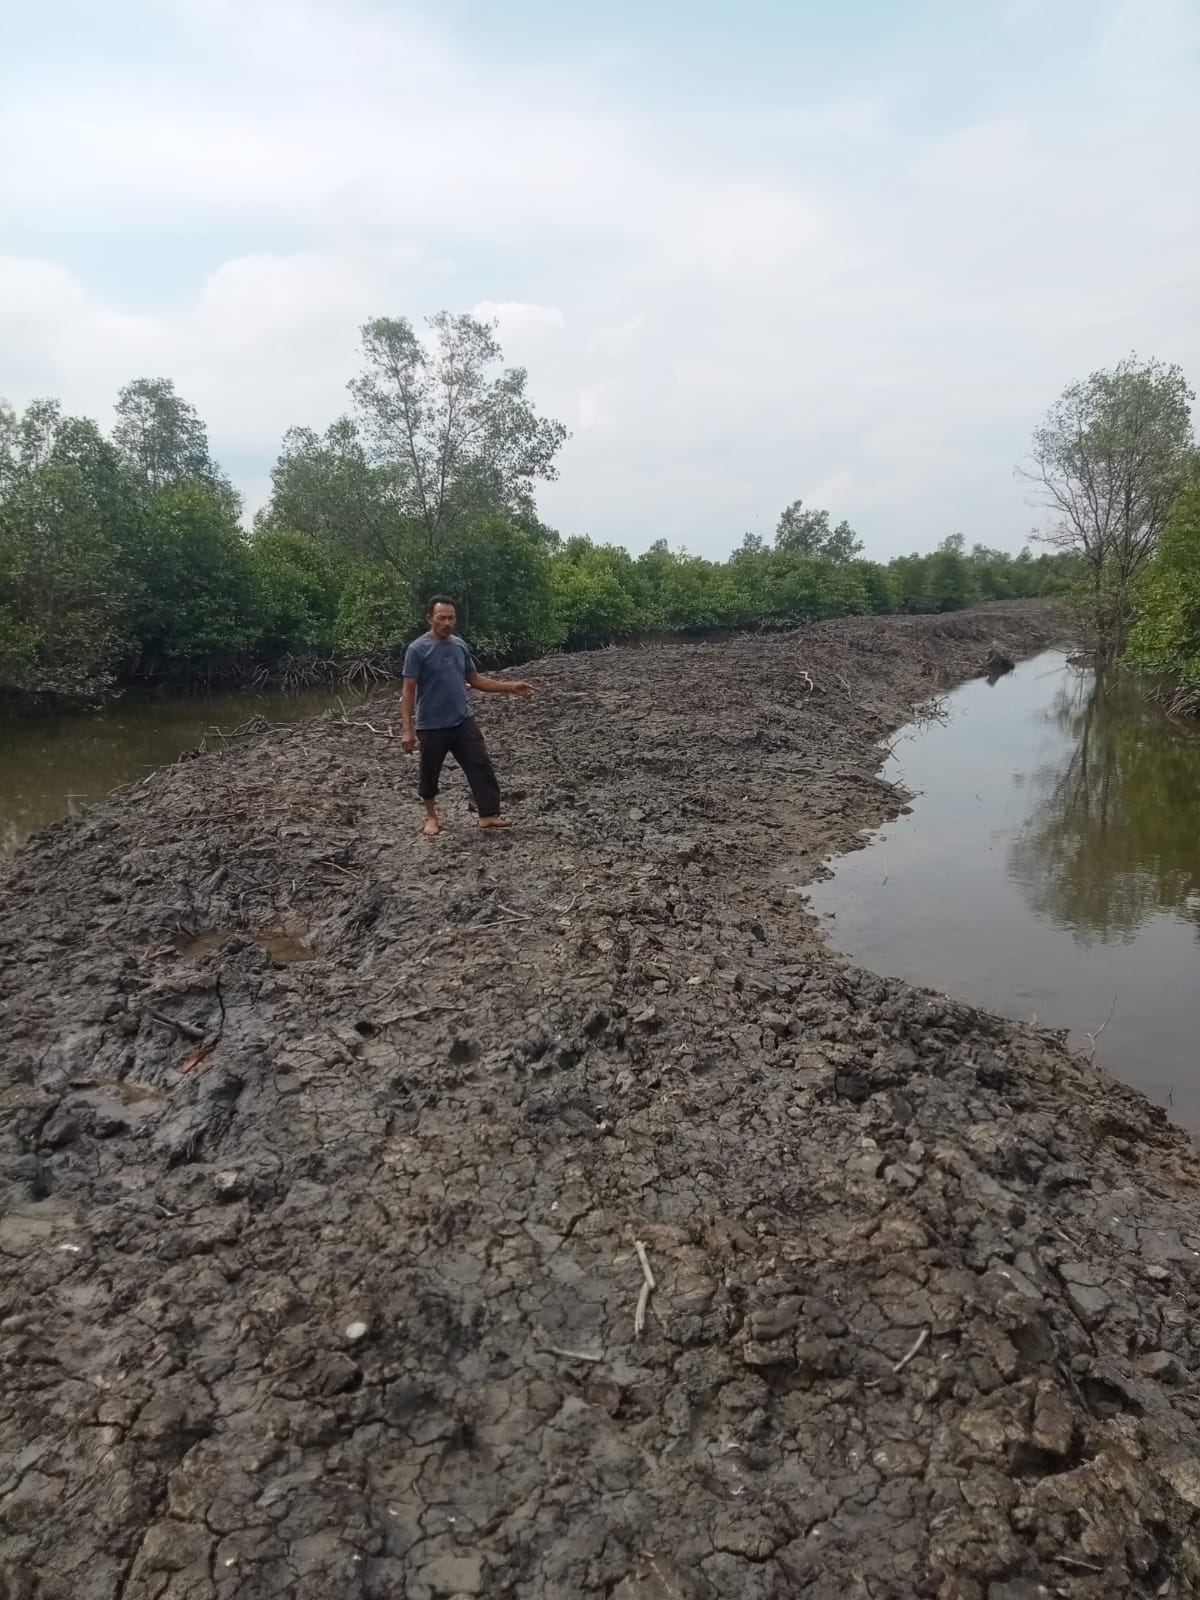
(438, 668)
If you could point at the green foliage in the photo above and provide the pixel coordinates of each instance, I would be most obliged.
(375, 611)
(201, 601)
(299, 588)
(590, 605)
(162, 441)
(879, 592)
(326, 487)
(808, 533)
(1166, 635)
(797, 588)
(122, 558)
(59, 603)
(1108, 462)
(500, 578)
(949, 582)
(456, 438)
(683, 593)
(61, 563)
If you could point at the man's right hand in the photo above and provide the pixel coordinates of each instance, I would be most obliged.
(408, 743)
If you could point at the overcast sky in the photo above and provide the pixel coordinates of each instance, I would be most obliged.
(848, 252)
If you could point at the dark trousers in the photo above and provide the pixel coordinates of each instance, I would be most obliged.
(465, 744)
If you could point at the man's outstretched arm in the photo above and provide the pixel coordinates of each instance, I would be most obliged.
(408, 701)
(498, 685)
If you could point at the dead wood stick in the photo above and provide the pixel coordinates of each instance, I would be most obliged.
(913, 1351)
(645, 1261)
(187, 1029)
(498, 922)
(569, 1355)
(670, 1588)
(1092, 1037)
(647, 1289)
(413, 1016)
(639, 1315)
(521, 916)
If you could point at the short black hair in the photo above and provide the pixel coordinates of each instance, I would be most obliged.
(439, 600)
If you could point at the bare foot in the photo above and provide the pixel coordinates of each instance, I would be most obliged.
(494, 822)
(432, 828)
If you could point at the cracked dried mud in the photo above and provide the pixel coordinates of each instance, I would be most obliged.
(327, 1150)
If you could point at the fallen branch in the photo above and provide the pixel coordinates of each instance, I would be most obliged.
(416, 1015)
(244, 730)
(1092, 1037)
(647, 1289)
(498, 922)
(670, 1588)
(333, 865)
(186, 1029)
(569, 1355)
(914, 1350)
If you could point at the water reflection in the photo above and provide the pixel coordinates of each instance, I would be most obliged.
(1049, 870)
(1113, 838)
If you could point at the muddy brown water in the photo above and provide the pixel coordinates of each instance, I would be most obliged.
(53, 766)
(1049, 869)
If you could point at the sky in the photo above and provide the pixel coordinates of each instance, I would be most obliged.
(844, 253)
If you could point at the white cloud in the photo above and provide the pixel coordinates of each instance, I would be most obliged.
(617, 340)
(516, 320)
(725, 305)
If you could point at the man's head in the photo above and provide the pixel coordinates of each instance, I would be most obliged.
(441, 614)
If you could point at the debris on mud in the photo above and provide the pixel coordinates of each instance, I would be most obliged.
(320, 1277)
(997, 665)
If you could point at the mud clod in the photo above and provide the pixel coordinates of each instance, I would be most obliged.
(341, 1301)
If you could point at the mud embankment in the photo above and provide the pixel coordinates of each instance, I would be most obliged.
(319, 1275)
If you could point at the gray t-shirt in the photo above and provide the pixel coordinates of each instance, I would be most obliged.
(440, 667)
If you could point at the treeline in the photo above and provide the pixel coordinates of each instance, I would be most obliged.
(1116, 466)
(1165, 639)
(123, 559)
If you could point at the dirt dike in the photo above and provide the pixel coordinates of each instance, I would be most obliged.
(330, 1158)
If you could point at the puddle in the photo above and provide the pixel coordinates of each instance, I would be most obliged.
(1049, 870)
(114, 1103)
(39, 1225)
(284, 949)
(124, 1092)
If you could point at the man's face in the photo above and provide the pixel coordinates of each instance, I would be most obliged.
(442, 621)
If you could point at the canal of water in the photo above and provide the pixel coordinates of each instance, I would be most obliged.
(1049, 869)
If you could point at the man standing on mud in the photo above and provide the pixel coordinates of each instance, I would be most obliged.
(438, 668)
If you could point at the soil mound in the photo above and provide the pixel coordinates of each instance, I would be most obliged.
(337, 1165)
